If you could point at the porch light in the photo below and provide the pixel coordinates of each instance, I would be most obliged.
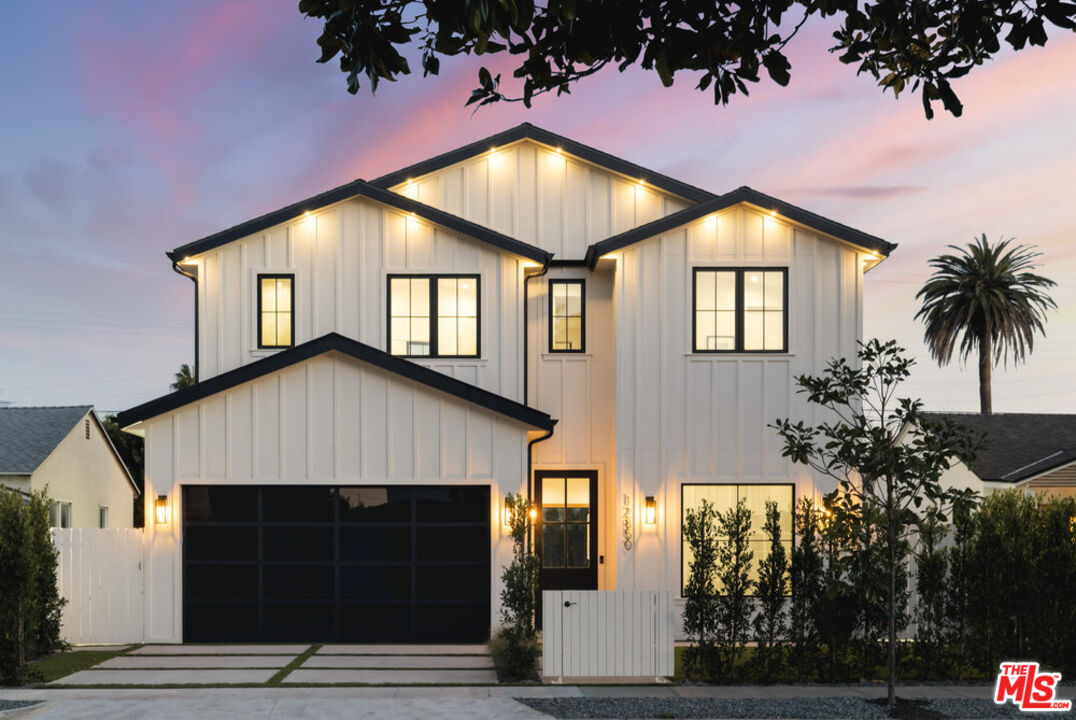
(163, 513)
(533, 514)
(650, 512)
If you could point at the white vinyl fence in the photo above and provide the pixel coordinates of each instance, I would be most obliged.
(100, 576)
(607, 633)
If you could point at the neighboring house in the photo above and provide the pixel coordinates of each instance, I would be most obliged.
(67, 451)
(381, 364)
(1032, 451)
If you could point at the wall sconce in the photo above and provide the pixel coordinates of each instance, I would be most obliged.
(506, 517)
(163, 513)
(533, 513)
(650, 511)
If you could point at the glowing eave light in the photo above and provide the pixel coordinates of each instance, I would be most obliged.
(188, 261)
(773, 213)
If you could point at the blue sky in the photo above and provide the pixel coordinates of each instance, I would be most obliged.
(130, 128)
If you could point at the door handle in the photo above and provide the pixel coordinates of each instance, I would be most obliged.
(568, 603)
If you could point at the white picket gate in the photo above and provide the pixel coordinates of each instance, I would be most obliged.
(607, 633)
(100, 576)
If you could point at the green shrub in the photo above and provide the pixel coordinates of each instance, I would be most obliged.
(515, 646)
(771, 621)
(30, 603)
(805, 579)
(735, 586)
(700, 595)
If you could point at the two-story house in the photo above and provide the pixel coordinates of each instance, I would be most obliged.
(379, 365)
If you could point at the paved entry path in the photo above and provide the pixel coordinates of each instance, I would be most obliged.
(158, 665)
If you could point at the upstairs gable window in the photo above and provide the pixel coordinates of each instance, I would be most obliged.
(567, 329)
(434, 315)
(740, 310)
(276, 311)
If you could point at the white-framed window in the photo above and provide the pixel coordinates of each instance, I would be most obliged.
(60, 514)
(434, 316)
(276, 310)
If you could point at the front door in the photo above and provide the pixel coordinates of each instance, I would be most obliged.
(568, 529)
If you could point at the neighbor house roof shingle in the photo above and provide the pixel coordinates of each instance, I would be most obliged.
(1017, 446)
(29, 434)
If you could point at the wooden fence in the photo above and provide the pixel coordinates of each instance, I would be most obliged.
(607, 633)
(100, 576)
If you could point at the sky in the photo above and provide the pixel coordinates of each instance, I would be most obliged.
(129, 128)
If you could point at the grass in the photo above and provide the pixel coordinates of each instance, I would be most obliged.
(299, 660)
(61, 665)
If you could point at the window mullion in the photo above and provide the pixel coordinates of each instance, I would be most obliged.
(739, 311)
(434, 317)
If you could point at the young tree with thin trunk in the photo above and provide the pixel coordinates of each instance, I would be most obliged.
(882, 452)
(987, 298)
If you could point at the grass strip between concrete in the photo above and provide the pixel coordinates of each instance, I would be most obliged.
(299, 660)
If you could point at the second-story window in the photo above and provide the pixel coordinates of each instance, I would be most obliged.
(567, 328)
(434, 315)
(740, 310)
(276, 311)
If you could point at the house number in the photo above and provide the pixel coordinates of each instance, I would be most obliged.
(627, 523)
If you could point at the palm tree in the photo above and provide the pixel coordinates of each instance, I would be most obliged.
(184, 378)
(987, 297)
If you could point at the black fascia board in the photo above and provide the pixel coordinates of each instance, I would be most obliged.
(364, 189)
(739, 195)
(545, 137)
(352, 348)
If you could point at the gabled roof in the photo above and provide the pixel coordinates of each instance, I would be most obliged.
(28, 435)
(365, 189)
(742, 194)
(526, 131)
(1017, 446)
(353, 348)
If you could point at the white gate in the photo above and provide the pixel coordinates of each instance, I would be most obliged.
(607, 633)
(100, 576)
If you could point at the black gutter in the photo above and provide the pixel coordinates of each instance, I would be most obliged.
(194, 278)
(353, 348)
(530, 473)
(552, 140)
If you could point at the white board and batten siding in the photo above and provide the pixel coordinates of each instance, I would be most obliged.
(548, 199)
(685, 417)
(326, 421)
(607, 633)
(341, 257)
(100, 577)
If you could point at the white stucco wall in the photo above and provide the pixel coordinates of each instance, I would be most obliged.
(85, 473)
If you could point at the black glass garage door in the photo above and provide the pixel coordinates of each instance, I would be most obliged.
(341, 564)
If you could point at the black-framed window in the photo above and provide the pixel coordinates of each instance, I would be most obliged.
(724, 496)
(567, 316)
(434, 315)
(739, 310)
(276, 311)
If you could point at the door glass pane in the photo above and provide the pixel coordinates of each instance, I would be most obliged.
(578, 545)
(578, 500)
(552, 492)
(552, 545)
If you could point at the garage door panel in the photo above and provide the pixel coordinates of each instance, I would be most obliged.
(379, 582)
(353, 564)
(220, 543)
(220, 621)
(297, 543)
(210, 582)
(379, 544)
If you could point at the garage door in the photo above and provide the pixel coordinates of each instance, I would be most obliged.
(338, 564)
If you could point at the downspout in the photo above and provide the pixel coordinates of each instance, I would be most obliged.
(194, 279)
(526, 329)
(530, 466)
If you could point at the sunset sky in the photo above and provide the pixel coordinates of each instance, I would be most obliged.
(130, 128)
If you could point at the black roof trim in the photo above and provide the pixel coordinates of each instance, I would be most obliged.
(739, 195)
(531, 132)
(347, 346)
(365, 189)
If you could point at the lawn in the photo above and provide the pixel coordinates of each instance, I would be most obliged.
(63, 664)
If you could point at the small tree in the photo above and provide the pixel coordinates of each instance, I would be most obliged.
(880, 449)
(734, 578)
(771, 621)
(184, 378)
(517, 648)
(805, 576)
(700, 594)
